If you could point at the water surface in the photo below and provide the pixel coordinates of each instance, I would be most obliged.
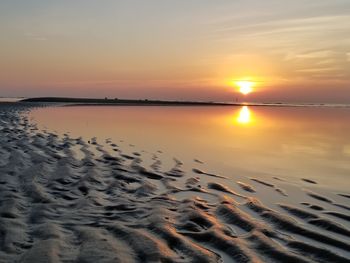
(284, 142)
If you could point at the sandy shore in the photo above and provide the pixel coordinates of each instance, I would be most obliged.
(57, 205)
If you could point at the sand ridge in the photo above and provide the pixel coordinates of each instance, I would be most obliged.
(105, 206)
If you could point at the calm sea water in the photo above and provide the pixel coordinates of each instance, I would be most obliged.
(11, 99)
(287, 142)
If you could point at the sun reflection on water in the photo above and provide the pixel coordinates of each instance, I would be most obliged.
(244, 115)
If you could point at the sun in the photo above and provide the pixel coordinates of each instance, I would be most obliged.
(245, 86)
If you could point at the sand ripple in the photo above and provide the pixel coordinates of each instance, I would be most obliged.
(58, 207)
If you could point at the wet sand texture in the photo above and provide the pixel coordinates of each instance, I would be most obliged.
(108, 207)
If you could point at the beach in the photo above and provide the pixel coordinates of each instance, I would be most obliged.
(68, 199)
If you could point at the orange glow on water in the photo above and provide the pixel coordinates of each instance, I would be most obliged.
(244, 115)
(257, 137)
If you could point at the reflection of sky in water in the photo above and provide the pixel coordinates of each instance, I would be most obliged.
(4, 99)
(286, 142)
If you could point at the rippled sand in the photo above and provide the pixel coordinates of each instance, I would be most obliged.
(64, 199)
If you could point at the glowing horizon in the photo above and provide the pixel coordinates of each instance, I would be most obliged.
(185, 50)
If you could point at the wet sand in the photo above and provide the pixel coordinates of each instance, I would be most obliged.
(65, 199)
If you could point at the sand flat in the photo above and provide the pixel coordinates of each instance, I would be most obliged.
(100, 205)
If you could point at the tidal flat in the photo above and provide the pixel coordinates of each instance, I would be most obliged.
(70, 197)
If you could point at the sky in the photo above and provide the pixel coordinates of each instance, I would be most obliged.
(294, 51)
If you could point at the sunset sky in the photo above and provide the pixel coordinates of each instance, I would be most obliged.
(294, 50)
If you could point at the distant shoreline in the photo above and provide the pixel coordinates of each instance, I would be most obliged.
(92, 101)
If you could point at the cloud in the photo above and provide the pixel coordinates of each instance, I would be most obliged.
(348, 56)
(303, 45)
(35, 37)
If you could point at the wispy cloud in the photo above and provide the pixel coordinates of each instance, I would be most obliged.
(312, 45)
(35, 37)
(348, 56)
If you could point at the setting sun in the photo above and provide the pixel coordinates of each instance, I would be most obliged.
(245, 87)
